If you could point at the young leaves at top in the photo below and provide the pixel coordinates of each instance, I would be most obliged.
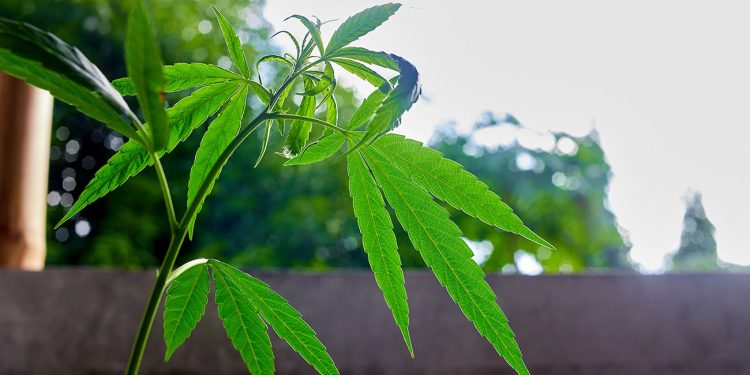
(143, 61)
(45, 61)
(233, 44)
(360, 24)
(439, 242)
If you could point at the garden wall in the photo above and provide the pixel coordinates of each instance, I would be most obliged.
(81, 321)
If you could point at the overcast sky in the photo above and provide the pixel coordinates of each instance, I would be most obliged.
(666, 84)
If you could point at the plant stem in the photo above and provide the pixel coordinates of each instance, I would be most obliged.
(164, 185)
(147, 321)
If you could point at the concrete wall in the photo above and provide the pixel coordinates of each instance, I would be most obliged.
(81, 321)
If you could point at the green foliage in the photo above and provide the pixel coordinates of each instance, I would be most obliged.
(146, 73)
(697, 251)
(184, 306)
(360, 24)
(379, 241)
(244, 302)
(439, 242)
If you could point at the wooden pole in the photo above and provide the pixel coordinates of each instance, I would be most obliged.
(25, 128)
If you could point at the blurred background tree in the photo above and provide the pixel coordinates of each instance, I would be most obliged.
(298, 217)
(697, 251)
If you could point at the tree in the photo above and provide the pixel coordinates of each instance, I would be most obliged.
(697, 251)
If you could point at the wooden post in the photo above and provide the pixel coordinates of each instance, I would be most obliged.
(25, 127)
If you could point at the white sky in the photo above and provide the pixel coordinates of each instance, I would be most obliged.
(667, 84)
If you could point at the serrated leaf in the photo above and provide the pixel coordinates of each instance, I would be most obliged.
(379, 241)
(244, 327)
(439, 242)
(361, 71)
(219, 135)
(182, 76)
(399, 100)
(294, 40)
(313, 30)
(368, 108)
(186, 115)
(300, 130)
(184, 306)
(45, 61)
(449, 182)
(233, 44)
(143, 62)
(264, 145)
(366, 56)
(283, 318)
(332, 110)
(360, 24)
(318, 151)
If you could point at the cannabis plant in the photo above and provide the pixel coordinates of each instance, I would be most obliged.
(382, 168)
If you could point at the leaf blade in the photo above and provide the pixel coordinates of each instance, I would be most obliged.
(143, 62)
(449, 182)
(360, 24)
(184, 306)
(439, 242)
(182, 76)
(379, 241)
(318, 151)
(219, 135)
(234, 45)
(245, 329)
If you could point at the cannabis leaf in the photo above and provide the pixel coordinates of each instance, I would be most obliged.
(219, 135)
(282, 317)
(449, 182)
(184, 306)
(186, 115)
(379, 241)
(439, 242)
(143, 61)
(300, 130)
(360, 24)
(366, 56)
(318, 151)
(183, 76)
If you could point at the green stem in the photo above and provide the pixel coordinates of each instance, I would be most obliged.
(164, 185)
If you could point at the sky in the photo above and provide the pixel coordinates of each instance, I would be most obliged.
(665, 84)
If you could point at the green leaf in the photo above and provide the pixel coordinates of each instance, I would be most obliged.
(294, 40)
(143, 61)
(399, 100)
(233, 44)
(283, 318)
(300, 130)
(449, 182)
(264, 145)
(332, 110)
(275, 58)
(360, 24)
(318, 151)
(439, 242)
(219, 135)
(361, 71)
(313, 30)
(366, 56)
(368, 108)
(186, 115)
(45, 61)
(184, 306)
(183, 76)
(379, 241)
(244, 327)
